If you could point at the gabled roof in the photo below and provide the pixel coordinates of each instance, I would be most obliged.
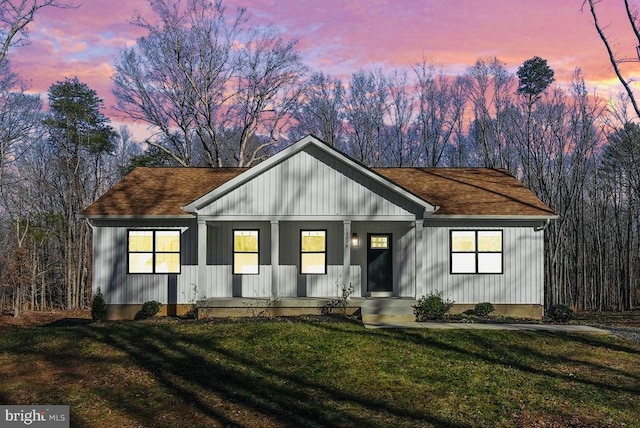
(303, 144)
(172, 192)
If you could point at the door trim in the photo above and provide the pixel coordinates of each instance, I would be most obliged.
(388, 262)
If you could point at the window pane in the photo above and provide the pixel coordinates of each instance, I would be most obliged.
(490, 240)
(140, 263)
(168, 263)
(463, 241)
(313, 263)
(379, 242)
(245, 263)
(489, 262)
(313, 241)
(168, 240)
(140, 240)
(463, 263)
(245, 240)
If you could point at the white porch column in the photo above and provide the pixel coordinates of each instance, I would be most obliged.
(275, 258)
(346, 260)
(202, 255)
(419, 258)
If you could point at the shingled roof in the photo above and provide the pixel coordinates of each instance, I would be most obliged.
(469, 191)
(457, 191)
(159, 191)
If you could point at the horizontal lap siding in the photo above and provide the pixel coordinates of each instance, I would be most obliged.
(522, 280)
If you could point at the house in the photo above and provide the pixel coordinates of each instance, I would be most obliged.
(294, 230)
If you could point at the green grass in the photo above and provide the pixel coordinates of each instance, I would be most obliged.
(319, 373)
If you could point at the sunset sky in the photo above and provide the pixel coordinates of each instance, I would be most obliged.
(342, 36)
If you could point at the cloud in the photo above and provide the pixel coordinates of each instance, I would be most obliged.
(340, 37)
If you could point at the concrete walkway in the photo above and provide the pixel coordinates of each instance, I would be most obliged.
(558, 328)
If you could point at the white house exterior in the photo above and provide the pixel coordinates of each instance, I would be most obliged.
(286, 232)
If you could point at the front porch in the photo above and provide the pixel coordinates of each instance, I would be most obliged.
(368, 309)
(278, 270)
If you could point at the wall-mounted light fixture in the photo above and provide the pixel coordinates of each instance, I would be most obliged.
(355, 240)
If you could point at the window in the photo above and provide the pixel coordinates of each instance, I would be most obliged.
(154, 251)
(246, 253)
(476, 251)
(380, 242)
(313, 252)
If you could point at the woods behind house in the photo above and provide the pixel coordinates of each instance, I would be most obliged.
(218, 90)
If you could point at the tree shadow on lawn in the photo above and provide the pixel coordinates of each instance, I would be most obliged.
(178, 362)
(512, 355)
(68, 322)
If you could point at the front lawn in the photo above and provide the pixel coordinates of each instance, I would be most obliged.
(319, 372)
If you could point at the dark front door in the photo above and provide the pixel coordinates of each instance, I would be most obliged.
(379, 262)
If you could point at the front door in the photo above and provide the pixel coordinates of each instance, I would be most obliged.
(379, 262)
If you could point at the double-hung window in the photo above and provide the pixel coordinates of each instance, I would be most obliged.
(313, 252)
(476, 251)
(246, 252)
(154, 251)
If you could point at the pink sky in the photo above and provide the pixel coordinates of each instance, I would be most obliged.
(342, 36)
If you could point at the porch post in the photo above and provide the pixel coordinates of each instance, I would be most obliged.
(419, 257)
(202, 254)
(275, 258)
(346, 260)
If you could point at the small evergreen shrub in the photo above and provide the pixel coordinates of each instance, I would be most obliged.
(98, 307)
(148, 310)
(483, 309)
(431, 307)
(560, 313)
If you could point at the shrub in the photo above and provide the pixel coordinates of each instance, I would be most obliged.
(98, 307)
(341, 302)
(148, 310)
(483, 309)
(431, 307)
(560, 313)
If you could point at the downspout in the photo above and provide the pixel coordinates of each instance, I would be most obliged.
(544, 226)
(88, 221)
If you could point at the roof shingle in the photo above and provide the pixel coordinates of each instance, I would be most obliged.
(469, 191)
(457, 191)
(159, 191)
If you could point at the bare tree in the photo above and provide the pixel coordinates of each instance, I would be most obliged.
(208, 83)
(441, 104)
(489, 87)
(614, 59)
(15, 16)
(20, 115)
(366, 108)
(320, 110)
(404, 148)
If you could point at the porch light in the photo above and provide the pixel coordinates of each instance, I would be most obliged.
(355, 240)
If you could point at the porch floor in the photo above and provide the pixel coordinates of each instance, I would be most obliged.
(370, 309)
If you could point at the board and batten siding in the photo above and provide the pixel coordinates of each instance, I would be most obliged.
(521, 282)
(119, 287)
(310, 183)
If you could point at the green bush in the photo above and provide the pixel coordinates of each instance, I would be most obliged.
(560, 313)
(483, 309)
(148, 310)
(98, 307)
(431, 307)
